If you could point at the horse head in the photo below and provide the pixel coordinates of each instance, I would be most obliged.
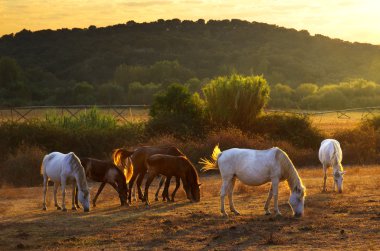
(297, 200)
(338, 180)
(84, 199)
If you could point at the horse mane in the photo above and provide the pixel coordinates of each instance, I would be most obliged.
(337, 156)
(290, 172)
(76, 164)
(193, 176)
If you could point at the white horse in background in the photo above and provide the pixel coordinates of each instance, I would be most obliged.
(62, 169)
(330, 154)
(254, 168)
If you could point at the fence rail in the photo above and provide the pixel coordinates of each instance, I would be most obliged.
(25, 113)
(123, 112)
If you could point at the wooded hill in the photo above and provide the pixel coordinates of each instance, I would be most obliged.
(166, 51)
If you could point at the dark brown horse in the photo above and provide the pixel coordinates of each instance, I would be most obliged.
(177, 166)
(139, 158)
(108, 173)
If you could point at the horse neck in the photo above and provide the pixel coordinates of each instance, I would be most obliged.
(192, 175)
(290, 173)
(80, 178)
(337, 166)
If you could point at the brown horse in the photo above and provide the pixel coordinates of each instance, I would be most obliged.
(106, 172)
(139, 158)
(177, 166)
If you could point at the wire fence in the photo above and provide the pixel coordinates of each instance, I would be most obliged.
(125, 113)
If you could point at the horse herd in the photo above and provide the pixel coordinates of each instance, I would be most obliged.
(251, 167)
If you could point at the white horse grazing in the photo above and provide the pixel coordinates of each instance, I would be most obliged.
(254, 168)
(330, 154)
(61, 169)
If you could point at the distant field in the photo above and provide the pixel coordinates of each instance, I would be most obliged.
(332, 221)
(328, 123)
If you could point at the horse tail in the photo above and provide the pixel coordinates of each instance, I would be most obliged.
(128, 171)
(212, 163)
(119, 156)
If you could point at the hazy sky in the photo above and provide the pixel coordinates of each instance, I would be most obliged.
(352, 20)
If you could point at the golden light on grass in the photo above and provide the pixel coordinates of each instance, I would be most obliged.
(331, 221)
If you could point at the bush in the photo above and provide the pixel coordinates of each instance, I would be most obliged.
(23, 167)
(177, 112)
(236, 100)
(359, 145)
(296, 129)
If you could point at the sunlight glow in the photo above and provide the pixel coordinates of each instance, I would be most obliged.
(352, 20)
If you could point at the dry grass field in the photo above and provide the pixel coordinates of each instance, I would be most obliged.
(332, 221)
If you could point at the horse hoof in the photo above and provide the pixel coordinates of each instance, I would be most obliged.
(64, 210)
(59, 208)
(44, 208)
(93, 205)
(77, 206)
(278, 215)
(224, 214)
(147, 207)
(236, 212)
(267, 213)
(156, 199)
(74, 208)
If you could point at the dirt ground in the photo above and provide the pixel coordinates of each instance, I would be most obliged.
(332, 221)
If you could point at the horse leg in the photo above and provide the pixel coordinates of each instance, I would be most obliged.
(223, 192)
(275, 183)
(63, 188)
(97, 193)
(56, 185)
(138, 184)
(146, 191)
(267, 203)
(165, 193)
(44, 191)
(324, 178)
(159, 187)
(134, 193)
(177, 184)
(76, 197)
(73, 207)
(119, 192)
(230, 191)
(130, 184)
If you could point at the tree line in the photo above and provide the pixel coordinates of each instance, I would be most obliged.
(129, 63)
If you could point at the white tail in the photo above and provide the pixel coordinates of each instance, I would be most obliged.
(212, 163)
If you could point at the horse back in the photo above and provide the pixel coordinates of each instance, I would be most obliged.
(56, 164)
(141, 155)
(98, 170)
(330, 152)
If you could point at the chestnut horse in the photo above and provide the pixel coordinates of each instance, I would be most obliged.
(108, 173)
(177, 166)
(138, 159)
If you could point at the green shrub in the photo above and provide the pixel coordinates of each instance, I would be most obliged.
(236, 100)
(178, 112)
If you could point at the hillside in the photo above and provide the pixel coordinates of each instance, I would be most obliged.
(63, 58)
